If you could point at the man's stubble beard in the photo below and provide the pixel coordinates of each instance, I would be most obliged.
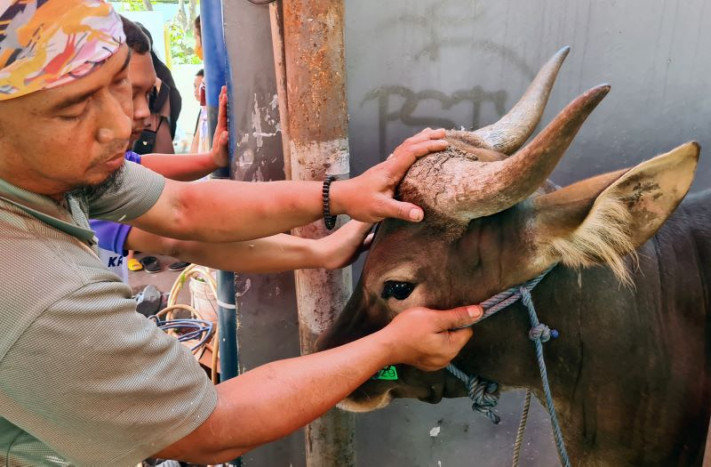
(108, 185)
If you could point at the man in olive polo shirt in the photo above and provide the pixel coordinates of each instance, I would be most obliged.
(83, 378)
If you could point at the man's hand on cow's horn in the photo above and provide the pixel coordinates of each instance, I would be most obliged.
(429, 339)
(369, 197)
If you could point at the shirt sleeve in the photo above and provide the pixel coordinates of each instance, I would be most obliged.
(136, 191)
(111, 235)
(99, 383)
(133, 157)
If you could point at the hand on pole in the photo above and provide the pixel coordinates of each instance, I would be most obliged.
(220, 142)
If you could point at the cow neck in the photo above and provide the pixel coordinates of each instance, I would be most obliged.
(483, 392)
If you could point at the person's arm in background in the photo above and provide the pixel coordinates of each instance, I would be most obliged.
(187, 167)
(273, 400)
(194, 143)
(264, 255)
(226, 211)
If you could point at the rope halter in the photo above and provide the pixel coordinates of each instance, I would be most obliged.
(483, 393)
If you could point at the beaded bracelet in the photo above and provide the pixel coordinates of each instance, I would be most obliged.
(328, 219)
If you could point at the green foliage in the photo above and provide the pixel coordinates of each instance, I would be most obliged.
(180, 34)
(182, 44)
(132, 5)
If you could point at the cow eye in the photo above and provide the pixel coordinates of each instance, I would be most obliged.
(398, 290)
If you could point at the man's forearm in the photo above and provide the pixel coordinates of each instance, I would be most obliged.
(299, 391)
(264, 255)
(273, 400)
(183, 167)
(227, 211)
(302, 390)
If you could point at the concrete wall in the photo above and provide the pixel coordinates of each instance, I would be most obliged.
(463, 63)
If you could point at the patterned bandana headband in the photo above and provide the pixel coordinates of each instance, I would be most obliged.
(47, 43)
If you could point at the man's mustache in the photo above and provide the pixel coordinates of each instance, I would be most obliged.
(118, 145)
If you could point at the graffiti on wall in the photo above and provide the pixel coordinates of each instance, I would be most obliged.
(439, 27)
(410, 102)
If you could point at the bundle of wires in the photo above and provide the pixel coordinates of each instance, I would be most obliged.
(195, 327)
(188, 329)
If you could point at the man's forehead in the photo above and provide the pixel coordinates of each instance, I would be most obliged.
(141, 70)
(73, 35)
(79, 89)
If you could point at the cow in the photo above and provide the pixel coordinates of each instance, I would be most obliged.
(628, 291)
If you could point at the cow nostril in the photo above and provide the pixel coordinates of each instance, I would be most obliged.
(433, 397)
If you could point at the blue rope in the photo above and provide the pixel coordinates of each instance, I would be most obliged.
(483, 392)
(480, 391)
(539, 334)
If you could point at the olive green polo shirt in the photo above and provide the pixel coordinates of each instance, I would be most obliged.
(84, 379)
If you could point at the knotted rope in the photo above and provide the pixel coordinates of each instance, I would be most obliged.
(539, 334)
(483, 392)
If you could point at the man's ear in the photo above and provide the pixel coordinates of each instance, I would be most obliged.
(601, 219)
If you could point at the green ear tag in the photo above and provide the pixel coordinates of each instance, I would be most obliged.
(389, 373)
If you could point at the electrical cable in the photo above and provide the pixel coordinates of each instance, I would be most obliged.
(210, 340)
(201, 330)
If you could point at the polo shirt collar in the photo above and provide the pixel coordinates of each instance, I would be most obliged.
(48, 211)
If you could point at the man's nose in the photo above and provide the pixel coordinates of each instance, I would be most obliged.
(113, 123)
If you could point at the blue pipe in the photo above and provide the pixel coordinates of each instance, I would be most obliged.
(215, 61)
(213, 47)
(216, 74)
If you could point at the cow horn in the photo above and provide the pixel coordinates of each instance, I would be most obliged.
(514, 128)
(466, 188)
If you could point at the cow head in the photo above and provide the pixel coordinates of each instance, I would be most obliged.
(493, 221)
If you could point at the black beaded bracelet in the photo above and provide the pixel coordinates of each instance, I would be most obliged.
(328, 219)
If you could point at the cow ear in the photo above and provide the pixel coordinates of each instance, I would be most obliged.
(601, 219)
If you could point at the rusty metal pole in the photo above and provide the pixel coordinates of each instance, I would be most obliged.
(317, 124)
(276, 21)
